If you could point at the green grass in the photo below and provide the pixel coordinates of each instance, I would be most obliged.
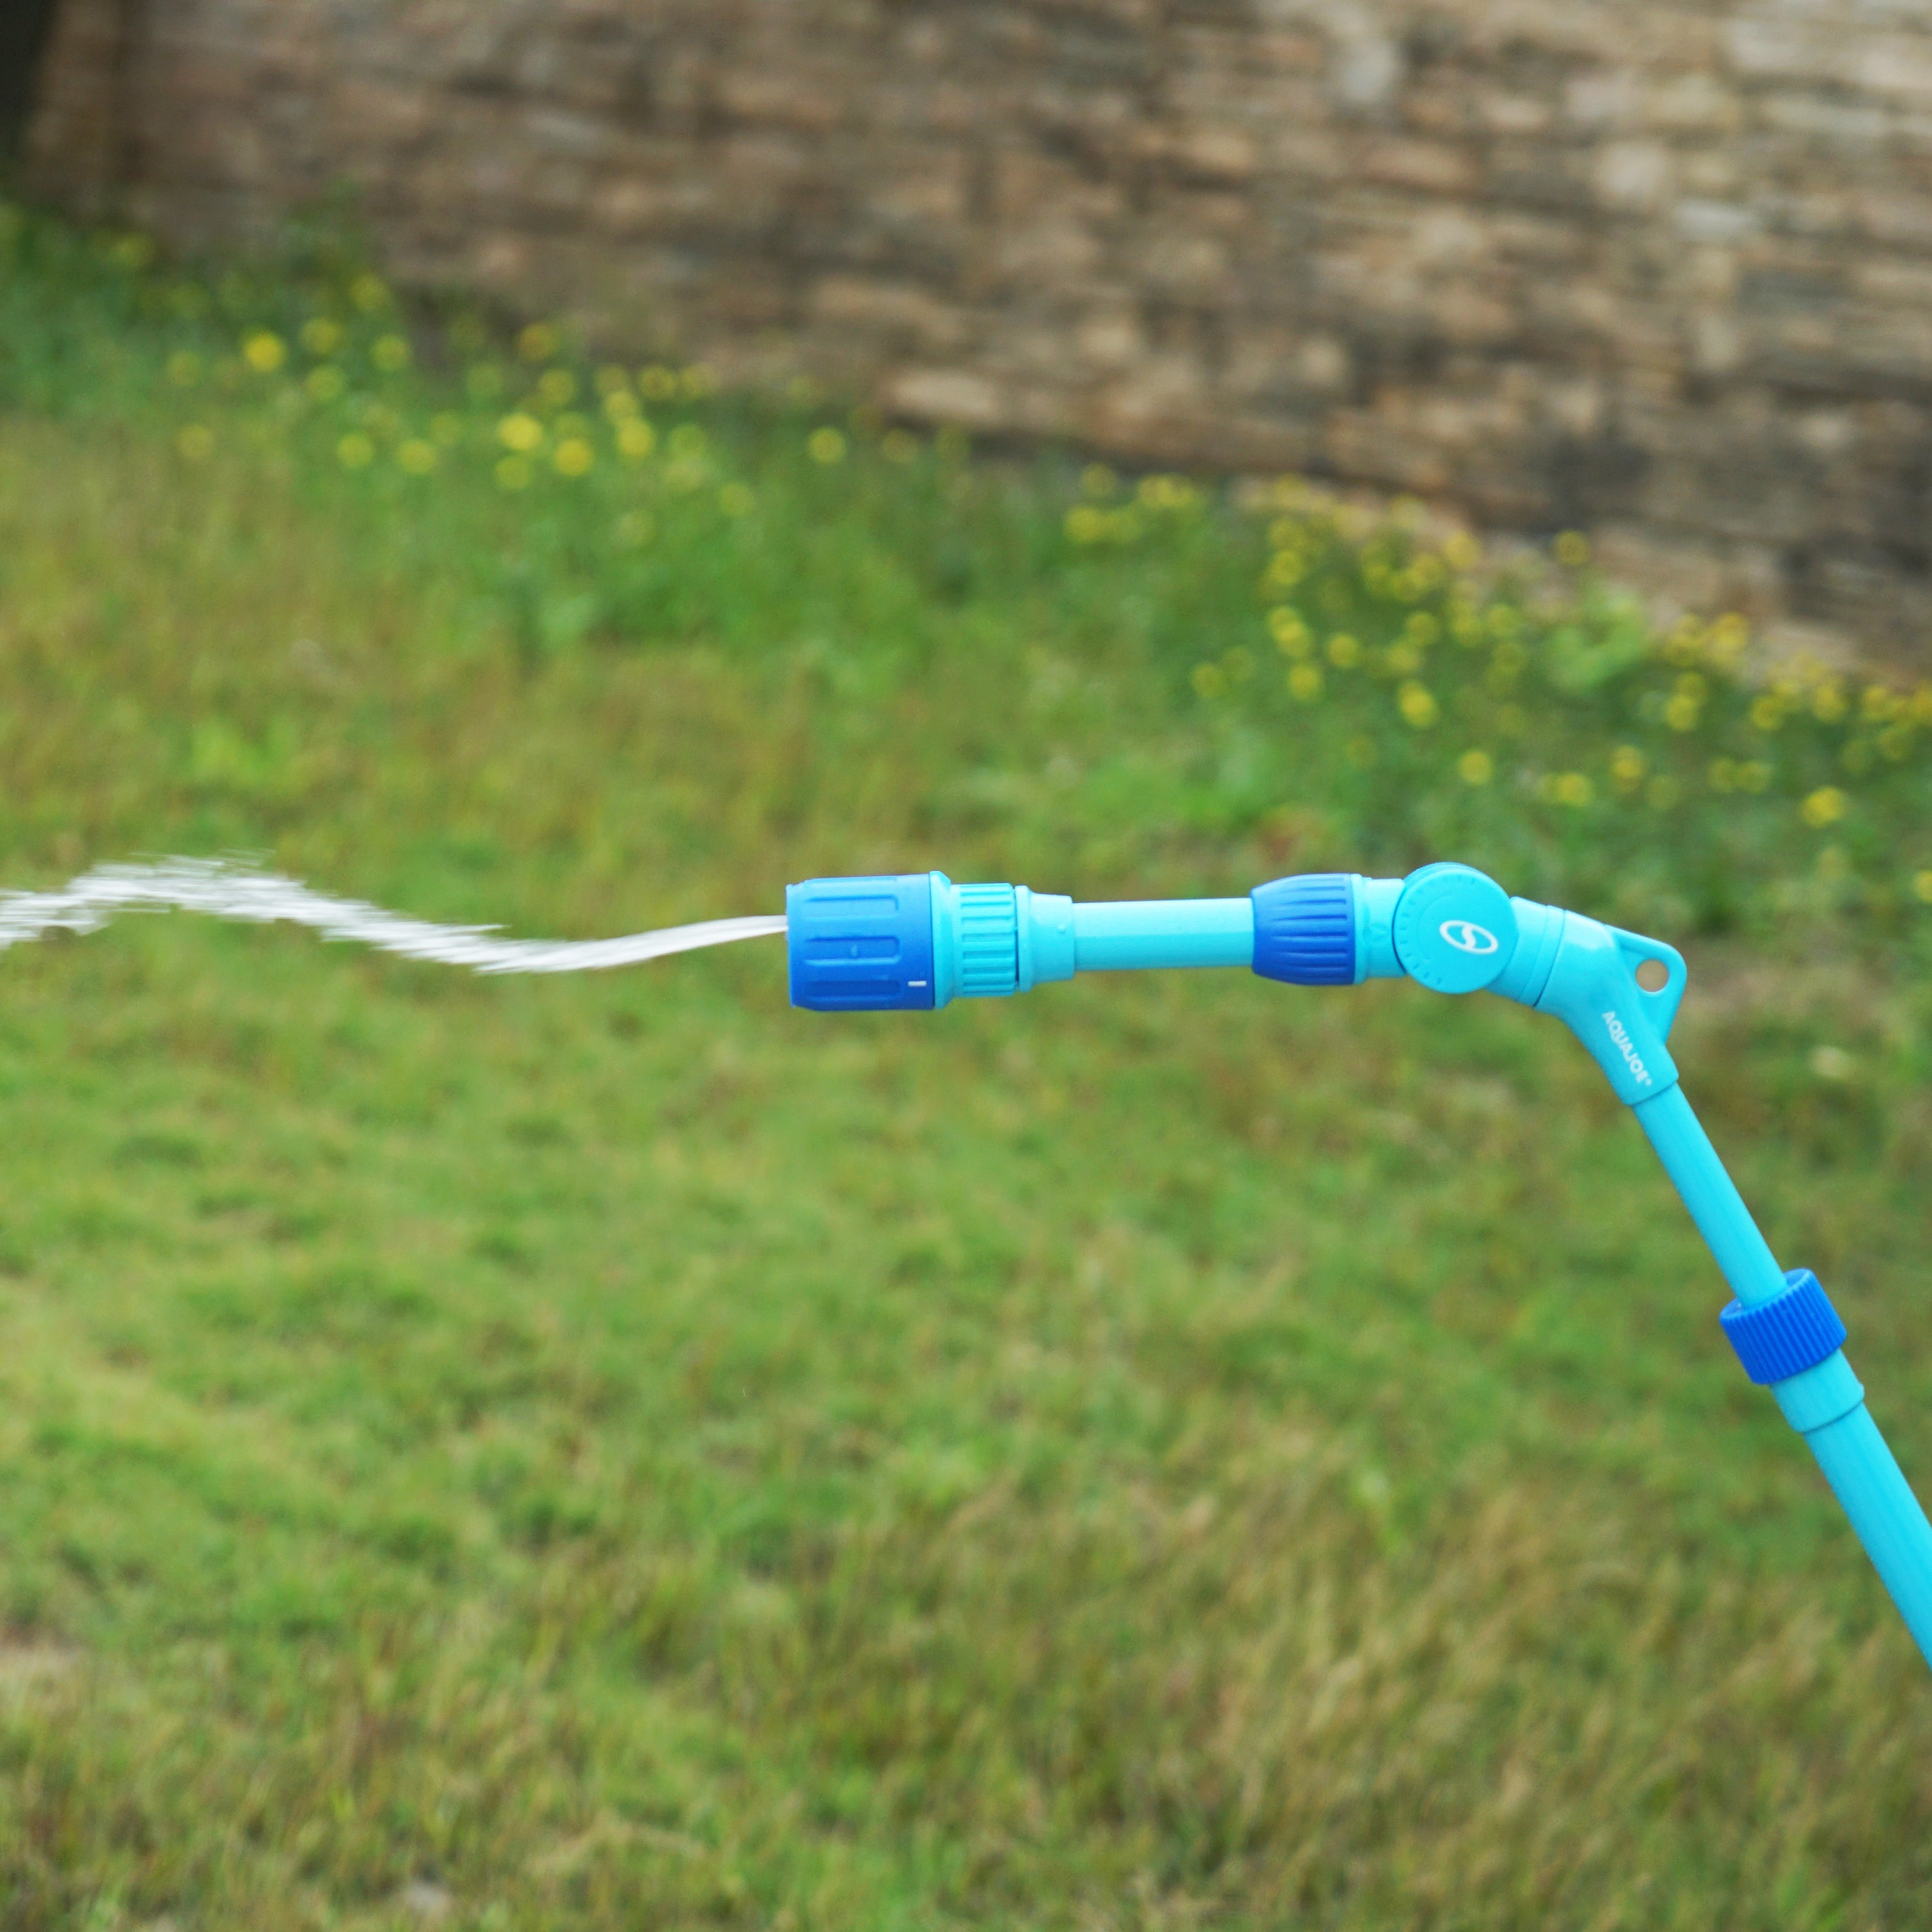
(615, 1452)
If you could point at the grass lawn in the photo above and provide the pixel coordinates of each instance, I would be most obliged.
(1165, 1452)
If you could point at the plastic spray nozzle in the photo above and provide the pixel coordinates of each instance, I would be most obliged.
(915, 941)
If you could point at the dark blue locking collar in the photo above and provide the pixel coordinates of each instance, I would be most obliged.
(1784, 1337)
(1305, 929)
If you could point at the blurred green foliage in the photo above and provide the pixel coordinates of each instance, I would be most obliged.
(1348, 693)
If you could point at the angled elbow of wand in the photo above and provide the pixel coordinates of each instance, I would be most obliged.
(916, 941)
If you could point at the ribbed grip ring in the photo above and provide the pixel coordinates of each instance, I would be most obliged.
(1305, 930)
(1779, 1339)
(989, 940)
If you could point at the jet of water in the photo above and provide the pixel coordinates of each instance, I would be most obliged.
(230, 889)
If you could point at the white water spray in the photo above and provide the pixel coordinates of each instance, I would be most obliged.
(229, 890)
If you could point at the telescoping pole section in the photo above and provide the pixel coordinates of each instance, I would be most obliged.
(916, 941)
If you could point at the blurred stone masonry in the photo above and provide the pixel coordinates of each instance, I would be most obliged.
(1660, 272)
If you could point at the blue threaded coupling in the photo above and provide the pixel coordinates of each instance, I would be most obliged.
(1305, 929)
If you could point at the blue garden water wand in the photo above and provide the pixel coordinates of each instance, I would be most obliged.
(916, 941)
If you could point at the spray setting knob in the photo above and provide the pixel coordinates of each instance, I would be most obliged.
(1454, 928)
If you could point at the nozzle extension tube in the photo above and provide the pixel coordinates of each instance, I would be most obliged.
(914, 941)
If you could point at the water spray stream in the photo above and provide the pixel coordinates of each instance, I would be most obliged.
(230, 889)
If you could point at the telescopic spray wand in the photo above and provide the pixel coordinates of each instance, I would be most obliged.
(916, 941)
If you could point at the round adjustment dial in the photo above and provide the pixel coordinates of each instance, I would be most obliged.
(1454, 930)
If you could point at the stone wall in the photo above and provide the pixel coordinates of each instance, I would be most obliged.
(1659, 269)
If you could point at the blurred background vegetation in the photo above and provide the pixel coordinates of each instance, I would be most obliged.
(1166, 1453)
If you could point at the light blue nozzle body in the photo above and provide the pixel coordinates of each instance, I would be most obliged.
(915, 941)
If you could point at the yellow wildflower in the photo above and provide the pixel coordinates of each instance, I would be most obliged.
(1727, 639)
(1290, 634)
(390, 353)
(1685, 704)
(1476, 767)
(1304, 682)
(519, 432)
(635, 439)
(265, 352)
(826, 445)
(356, 450)
(1418, 704)
(1825, 806)
(573, 456)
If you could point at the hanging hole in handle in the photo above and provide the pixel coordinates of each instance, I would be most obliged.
(1652, 975)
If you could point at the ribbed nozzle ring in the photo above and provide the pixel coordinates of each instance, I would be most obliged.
(989, 940)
